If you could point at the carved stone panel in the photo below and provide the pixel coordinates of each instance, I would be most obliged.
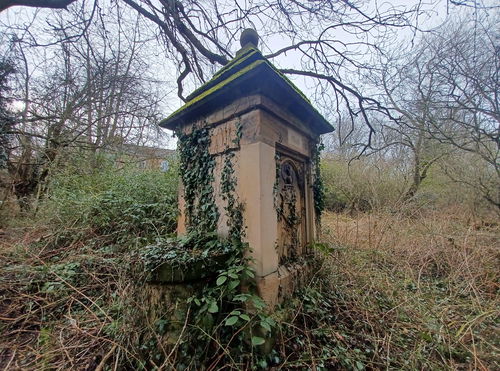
(290, 206)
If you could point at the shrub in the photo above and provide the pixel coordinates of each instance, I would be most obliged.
(120, 204)
(374, 184)
(361, 185)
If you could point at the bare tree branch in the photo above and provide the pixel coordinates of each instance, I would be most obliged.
(53, 4)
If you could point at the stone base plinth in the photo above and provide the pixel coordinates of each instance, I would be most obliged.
(281, 284)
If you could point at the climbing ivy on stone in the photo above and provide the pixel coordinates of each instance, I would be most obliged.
(277, 159)
(196, 170)
(318, 187)
(222, 309)
(226, 307)
(234, 208)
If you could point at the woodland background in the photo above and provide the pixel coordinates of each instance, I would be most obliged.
(409, 277)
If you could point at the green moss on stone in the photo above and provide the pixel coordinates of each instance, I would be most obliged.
(242, 56)
(214, 89)
(237, 61)
(232, 65)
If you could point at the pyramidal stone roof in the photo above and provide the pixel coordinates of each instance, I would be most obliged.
(248, 73)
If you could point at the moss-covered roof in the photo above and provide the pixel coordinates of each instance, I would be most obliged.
(248, 73)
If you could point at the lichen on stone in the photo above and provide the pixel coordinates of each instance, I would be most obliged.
(212, 90)
(239, 66)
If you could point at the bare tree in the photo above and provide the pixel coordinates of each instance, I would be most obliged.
(6, 116)
(466, 61)
(407, 91)
(329, 40)
(447, 90)
(92, 93)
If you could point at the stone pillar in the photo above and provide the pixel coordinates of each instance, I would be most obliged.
(270, 130)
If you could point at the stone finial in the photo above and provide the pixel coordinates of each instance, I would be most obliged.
(249, 36)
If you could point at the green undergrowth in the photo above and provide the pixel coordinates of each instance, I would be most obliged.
(363, 309)
(185, 250)
(225, 322)
(69, 282)
(123, 206)
(77, 289)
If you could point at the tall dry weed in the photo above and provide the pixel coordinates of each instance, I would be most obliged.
(421, 287)
(446, 244)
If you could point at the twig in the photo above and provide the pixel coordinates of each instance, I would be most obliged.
(178, 339)
(10, 360)
(104, 359)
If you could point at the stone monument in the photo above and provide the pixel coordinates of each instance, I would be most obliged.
(254, 114)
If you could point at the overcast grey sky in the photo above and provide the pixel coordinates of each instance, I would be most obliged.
(434, 13)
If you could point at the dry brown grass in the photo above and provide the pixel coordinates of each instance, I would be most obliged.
(70, 307)
(397, 291)
(421, 288)
(447, 244)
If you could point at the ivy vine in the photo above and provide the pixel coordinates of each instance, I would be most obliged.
(276, 186)
(222, 310)
(318, 187)
(196, 170)
(234, 209)
(285, 204)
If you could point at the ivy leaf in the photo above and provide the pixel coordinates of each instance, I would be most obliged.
(242, 297)
(258, 302)
(221, 280)
(249, 273)
(233, 284)
(265, 325)
(213, 308)
(245, 317)
(231, 320)
(256, 340)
